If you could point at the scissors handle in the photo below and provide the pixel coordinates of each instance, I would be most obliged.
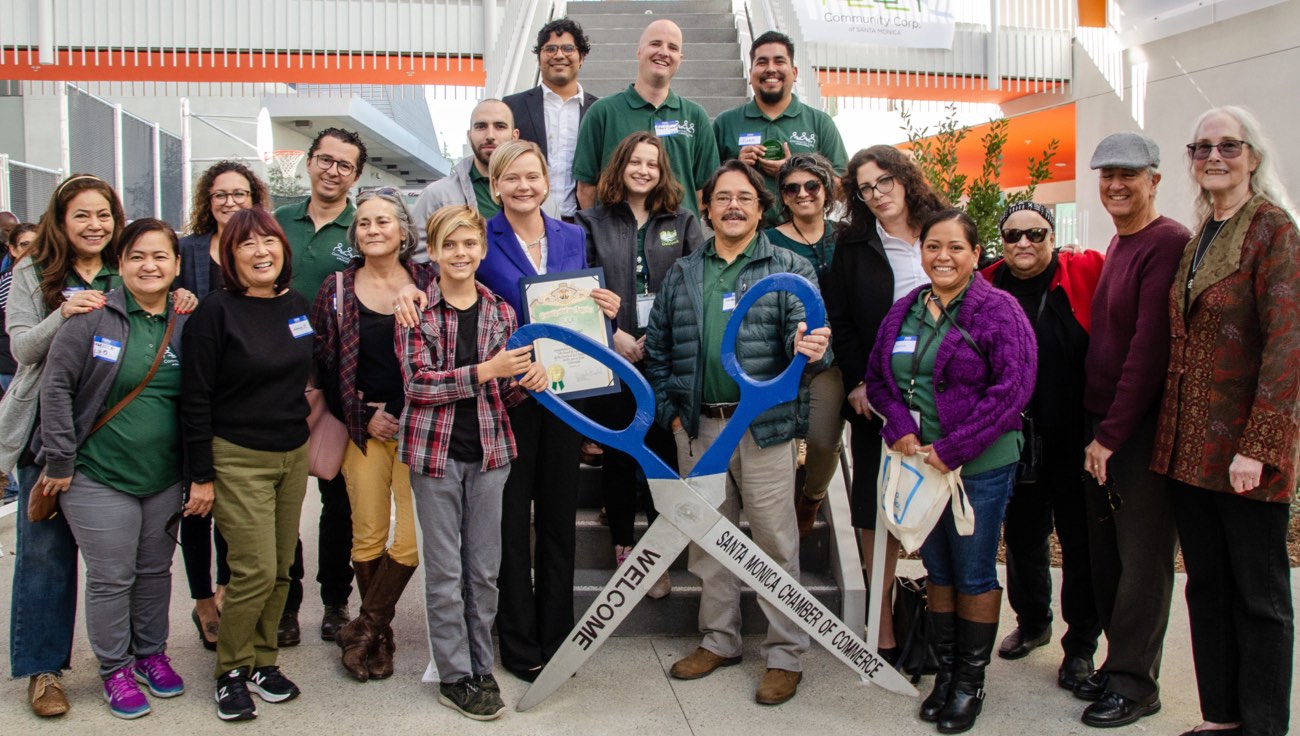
(630, 439)
(758, 396)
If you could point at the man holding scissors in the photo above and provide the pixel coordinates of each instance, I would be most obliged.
(696, 397)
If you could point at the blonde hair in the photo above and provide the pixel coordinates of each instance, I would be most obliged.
(1264, 180)
(506, 154)
(448, 220)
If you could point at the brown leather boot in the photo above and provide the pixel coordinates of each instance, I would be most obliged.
(385, 590)
(805, 512)
(365, 572)
(357, 636)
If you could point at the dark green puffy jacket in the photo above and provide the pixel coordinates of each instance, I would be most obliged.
(764, 346)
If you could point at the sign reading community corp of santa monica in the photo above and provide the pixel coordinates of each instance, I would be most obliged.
(924, 24)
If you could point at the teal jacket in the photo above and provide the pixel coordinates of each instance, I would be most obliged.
(764, 345)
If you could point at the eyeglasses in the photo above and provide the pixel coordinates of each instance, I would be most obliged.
(1114, 501)
(883, 185)
(745, 199)
(552, 48)
(325, 163)
(1035, 235)
(812, 186)
(239, 196)
(1228, 148)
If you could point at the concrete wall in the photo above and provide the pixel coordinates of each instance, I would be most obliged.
(1251, 60)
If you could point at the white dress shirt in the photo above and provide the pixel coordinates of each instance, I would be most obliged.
(905, 261)
(562, 118)
(541, 270)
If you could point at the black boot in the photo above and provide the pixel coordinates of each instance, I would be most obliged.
(943, 638)
(977, 630)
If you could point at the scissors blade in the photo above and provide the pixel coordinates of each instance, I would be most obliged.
(650, 558)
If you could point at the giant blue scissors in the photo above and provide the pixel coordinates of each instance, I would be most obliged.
(688, 506)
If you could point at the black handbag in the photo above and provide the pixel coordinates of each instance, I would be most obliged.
(912, 629)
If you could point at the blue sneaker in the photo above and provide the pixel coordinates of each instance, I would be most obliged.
(156, 672)
(124, 697)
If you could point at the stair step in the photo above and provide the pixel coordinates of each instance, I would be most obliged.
(595, 547)
(697, 52)
(724, 69)
(688, 87)
(689, 35)
(678, 614)
(596, 25)
(580, 10)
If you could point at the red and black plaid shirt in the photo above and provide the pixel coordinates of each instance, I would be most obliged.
(338, 347)
(434, 384)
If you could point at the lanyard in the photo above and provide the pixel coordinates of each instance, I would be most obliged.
(923, 347)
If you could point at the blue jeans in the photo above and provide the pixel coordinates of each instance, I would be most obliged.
(970, 563)
(44, 599)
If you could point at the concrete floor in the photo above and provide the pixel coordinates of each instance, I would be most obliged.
(624, 689)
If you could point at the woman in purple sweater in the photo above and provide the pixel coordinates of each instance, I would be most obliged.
(952, 368)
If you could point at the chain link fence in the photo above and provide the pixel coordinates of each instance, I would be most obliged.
(141, 160)
(25, 189)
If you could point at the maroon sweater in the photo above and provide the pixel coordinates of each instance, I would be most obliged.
(1129, 350)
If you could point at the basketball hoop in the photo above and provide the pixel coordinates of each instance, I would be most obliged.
(286, 162)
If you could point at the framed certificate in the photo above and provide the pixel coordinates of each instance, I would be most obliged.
(564, 299)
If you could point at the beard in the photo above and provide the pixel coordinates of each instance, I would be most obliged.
(771, 98)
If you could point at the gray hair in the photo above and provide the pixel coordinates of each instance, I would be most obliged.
(1264, 180)
(810, 163)
(410, 236)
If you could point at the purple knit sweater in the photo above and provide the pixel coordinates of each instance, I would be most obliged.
(975, 408)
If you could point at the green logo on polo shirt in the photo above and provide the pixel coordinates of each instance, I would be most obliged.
(686, 128)
(342, 252)
(807, 139)
(668, 237)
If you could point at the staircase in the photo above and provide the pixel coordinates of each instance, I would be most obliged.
(711, 73)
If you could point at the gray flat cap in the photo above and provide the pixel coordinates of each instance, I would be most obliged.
(1126, 151)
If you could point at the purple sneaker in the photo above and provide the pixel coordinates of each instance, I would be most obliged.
(156, 672)
(124, 697)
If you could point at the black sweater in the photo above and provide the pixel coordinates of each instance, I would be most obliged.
(243, 376)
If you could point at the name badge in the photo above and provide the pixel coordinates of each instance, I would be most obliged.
(300, 327)
(665, 128)
(905, 345)
(68, 292)
(728, 301)
(644, 303)
(106, 350)
(751, 139)
(916, 417)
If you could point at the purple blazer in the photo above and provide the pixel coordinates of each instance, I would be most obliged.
(976, 406)
(505, 264)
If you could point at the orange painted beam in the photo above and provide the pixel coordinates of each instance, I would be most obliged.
(912, 86)
(1092, 13)
(242, 67)
(1027, 135)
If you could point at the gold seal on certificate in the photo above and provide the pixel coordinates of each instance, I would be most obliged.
(564, 300)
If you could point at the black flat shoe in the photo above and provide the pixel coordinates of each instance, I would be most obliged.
(1116, 710)
(1019, 644)
(890, 654)
(527, 675)
(211, 646)
(1092, 687)
(1074, 670)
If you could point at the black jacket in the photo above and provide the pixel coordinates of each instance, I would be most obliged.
(611, 244)
(530, 114)
(858, 294)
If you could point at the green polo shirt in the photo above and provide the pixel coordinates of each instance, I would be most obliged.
(719, 280)
(682, 125)
(139, 451)
(805, 129)
(317, 254)
(104, 280)
(487, 207)
(926, 334)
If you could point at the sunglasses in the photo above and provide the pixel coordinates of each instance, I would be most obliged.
(812, 186)
(1228, 148)
(1035, 235)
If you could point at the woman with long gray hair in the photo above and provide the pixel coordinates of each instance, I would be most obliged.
(357, 368)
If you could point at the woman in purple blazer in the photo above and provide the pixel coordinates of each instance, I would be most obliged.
(952, 368)
(535, 610)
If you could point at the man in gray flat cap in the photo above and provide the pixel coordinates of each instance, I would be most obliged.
(1131, 531)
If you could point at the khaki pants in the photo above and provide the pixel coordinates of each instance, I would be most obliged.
(762, 478)
(377, 481)
(258, 505)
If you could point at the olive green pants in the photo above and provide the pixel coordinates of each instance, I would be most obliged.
(258, 503)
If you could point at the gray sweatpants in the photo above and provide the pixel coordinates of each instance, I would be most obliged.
(128, 554)
(460, 523)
